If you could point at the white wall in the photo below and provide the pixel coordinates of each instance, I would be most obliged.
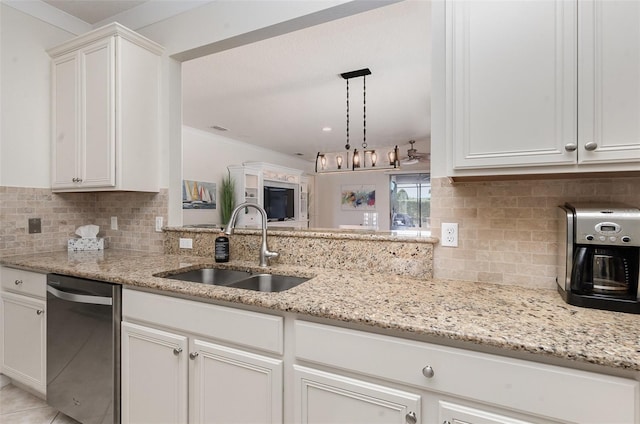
(205, 157)
(25, 75)
(326, 199)
(438, 94)
(25, 98)
(215, 27)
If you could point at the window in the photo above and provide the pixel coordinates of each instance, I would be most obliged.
(410, 201)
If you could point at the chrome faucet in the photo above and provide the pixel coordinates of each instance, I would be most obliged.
(265, 253)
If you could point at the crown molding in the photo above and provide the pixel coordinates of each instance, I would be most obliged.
(135, 18)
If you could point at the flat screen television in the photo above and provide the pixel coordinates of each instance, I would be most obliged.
(279, 203)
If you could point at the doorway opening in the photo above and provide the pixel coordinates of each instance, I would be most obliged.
(410, 201)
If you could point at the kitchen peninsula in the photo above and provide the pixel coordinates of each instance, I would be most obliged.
(398, 317)
(457, 311)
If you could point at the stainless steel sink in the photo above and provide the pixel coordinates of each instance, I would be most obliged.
(269, 282)
(238, 279)
(214, 276)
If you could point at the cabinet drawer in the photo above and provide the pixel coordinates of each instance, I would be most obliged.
(24, 282)
(245, 328)
(539, 389)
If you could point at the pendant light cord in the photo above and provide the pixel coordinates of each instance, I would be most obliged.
(364, 112)
(347, 146)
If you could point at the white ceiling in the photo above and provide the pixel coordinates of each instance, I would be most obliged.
(279, 93)
(94, 11)
(81, 16)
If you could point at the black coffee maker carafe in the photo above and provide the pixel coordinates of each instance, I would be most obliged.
(605, 271)
(599, 256)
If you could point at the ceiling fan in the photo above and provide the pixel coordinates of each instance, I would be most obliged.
(414, 157)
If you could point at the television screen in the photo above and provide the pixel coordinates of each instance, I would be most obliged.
(279, 203)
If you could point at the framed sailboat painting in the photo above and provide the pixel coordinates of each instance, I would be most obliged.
(198, 195)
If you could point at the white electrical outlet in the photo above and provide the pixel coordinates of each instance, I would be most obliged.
(114, 222)
(159, 221)
(186, 243)
(449, 235)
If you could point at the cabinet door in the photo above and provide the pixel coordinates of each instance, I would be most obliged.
(154, 375)
(249, 187)
(609, 77)
(233, 386)
(98, 114)
(66, 121)
(452, 413)
(24, 340)
(325, 398)
(304, 202)
(511, 83)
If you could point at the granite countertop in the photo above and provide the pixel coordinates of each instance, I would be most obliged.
(513, 319)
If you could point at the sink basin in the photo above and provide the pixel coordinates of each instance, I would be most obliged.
(214, 276)
(239, 279)
(268, 282)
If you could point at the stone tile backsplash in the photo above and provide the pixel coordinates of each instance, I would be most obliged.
(508, 229)
(62, 213)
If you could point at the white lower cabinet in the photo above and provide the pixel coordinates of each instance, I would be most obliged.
(24, 340)
(23, 336)
(327, 398)
(454, 413)
(171, 374)
(455, 386)
(233, 386)
(185, 361)
(154, 375)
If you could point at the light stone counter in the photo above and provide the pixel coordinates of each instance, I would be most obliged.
(513, 319)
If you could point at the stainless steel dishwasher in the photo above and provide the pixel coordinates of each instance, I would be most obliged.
(83, 348)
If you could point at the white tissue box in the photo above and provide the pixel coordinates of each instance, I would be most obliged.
(85, 244)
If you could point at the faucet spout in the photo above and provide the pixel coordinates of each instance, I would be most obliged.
(265, 253)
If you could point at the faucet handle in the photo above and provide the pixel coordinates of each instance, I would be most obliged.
(270, 254)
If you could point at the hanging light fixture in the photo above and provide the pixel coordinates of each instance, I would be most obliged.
(359, 160)
(393, 157)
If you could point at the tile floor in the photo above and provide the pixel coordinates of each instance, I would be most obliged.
(20, 407)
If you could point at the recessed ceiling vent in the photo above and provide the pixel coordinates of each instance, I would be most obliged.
(219, 128)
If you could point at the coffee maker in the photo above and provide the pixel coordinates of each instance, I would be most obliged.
(599, 256)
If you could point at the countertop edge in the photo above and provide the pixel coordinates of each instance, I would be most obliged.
(474, 331)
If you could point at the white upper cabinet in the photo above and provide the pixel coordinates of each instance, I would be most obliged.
(609, 81)
(542, 86)
(105, 91)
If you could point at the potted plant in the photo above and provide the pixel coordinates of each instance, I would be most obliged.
(227, 198)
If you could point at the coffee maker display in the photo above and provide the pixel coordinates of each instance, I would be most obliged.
(599, 256)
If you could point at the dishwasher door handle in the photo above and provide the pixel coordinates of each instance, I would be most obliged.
(80, 298)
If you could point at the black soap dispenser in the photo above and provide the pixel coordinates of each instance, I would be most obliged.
(221, 249)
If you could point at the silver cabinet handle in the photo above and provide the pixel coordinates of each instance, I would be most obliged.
(428, 371)
(17, 282)
(39, 312)
(193, 355)
(591, 146)
(570, 147)
(177, 351)
(411, 418)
